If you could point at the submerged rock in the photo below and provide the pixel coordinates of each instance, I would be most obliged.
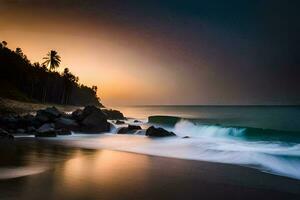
(158, 132)
(185, 137)
(165, 120)
(129, 129)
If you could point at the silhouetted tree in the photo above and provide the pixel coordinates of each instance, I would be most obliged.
(52, 60)
(94, 88)
(4, 43)
(22, 80)
(19, 51)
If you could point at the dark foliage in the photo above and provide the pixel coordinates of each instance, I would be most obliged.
(22, 80)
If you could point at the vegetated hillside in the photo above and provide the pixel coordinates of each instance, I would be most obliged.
(22, 80)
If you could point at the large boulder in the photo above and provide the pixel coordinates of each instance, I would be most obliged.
(29, 120)
(77, 115)
(46, 130)
(66, 124)
(158, 132)
(113, 114)
(94, 120)
(48, 114)
(9, 122)
(129, 129)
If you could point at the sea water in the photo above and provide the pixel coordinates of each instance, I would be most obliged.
(262, 137)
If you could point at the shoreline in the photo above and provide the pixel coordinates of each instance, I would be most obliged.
(150, 176)
(73, 138)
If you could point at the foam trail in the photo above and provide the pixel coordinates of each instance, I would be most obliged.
(207, 143)
(8, 173)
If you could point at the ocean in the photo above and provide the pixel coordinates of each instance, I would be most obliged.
(266, 138)
(262, 137)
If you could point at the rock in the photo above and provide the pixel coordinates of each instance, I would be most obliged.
(21, 131)
(28, 120)
(66, 124)
(77, 115)
(63, 132)
(94, 120)
(129, 129)
(46, 127)
(164, 120)
(2, 131)
(186, 137)
(5, 135)
(46, 134)
(113, 114)
(46, 130)
(136, 121)
(119, 122)
(10, 122)
(31, 129)
(48, 115)
(158, 132)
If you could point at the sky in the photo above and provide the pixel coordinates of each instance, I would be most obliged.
(232, 52)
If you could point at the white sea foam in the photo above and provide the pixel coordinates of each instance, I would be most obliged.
(207, 143)
(8, 173)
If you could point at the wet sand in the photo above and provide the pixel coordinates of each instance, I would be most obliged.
(44, 170)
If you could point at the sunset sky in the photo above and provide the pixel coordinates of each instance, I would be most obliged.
(166, 52)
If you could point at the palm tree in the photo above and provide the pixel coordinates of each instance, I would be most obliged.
(52, 60)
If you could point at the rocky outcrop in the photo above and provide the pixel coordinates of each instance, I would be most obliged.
(52, 122)
(129, 129)
(113, 114)
(48, 114)
(66, 124)
(158, 132)
(93, 120)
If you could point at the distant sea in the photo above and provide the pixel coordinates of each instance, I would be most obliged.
(263, 137)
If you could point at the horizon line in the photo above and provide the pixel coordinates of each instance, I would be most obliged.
(207, 105)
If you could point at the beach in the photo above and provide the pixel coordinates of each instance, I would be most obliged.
(48, 170)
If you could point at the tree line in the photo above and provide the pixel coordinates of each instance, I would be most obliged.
(22, 80)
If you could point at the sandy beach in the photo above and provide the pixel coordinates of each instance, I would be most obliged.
(49, 171)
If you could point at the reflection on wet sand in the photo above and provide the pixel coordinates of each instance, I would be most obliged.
(103, 168)
(74, 173)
